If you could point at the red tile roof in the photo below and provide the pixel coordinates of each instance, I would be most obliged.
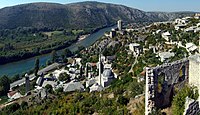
(12, 93)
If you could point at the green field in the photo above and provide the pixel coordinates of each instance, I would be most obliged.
(53, 33)
(76, 31)
(20, 44)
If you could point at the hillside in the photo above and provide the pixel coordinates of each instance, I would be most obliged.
(75, 15)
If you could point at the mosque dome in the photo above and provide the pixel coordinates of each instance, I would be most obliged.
(108, 73)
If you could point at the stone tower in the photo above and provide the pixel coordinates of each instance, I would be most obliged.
(81, 71)
(86, 70)
(119, 25)
(99, 79)
(27, 82)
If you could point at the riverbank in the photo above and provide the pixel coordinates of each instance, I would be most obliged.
(32, 76)
(26, 55)
(25, 65)
(17, 56)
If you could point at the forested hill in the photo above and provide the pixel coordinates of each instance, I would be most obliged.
(75, 15)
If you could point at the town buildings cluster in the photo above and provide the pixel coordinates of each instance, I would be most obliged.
(98, 76)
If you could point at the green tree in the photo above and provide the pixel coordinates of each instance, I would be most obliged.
(122, 100)
(136, 88)
(179, 100)
(24, 104)
(67, 52)
(4, 85)
(64, 77)
(15, 78)
(49, 88)
(10, 109)
(53, 56)
(36, 66)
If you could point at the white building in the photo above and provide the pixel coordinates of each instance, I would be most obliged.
(107, 77)
(197, 30)
(181, 21)
(57, 73)
(180, 26)
(166, 35)
(191, 47)
(135, 48)
(165, 55)
(190, 29)
(158, 31)
(198, 24)
(39, 81)
(104, 77)
(78, 61)
(112, 33)
(197, 16)
(177, 21)
(119, 25)
(14, 95)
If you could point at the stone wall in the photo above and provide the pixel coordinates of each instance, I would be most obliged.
(160, 81)
(191, 107)
(194, 72)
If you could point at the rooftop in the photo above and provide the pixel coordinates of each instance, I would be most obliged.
(167, 34)
(134, 44)
(166, 54)
(72, 86)
(108, 73)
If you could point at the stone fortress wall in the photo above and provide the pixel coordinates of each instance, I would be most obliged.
(160, 81)
(191, 107)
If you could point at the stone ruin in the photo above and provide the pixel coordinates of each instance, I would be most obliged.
(160, 81)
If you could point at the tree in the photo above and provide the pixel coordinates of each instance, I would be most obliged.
(36, 66)
(135, 88)
(179, 100)
(122, 100)
(4, 85)
(54, 56)
(14, 78)
(24, 104)
(67, 52)
(64, 77)
(49, 88)
(11, 108)
(59, 90)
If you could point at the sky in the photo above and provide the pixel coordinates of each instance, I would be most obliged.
(146, 5)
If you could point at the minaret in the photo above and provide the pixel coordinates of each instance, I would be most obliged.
(27, 81)
(100, 68)
(86, 70)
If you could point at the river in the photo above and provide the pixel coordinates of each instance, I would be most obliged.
(22, 66)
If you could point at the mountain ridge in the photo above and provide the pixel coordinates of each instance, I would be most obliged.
(89, 14)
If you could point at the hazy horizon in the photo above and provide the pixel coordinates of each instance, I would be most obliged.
(153, 5)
